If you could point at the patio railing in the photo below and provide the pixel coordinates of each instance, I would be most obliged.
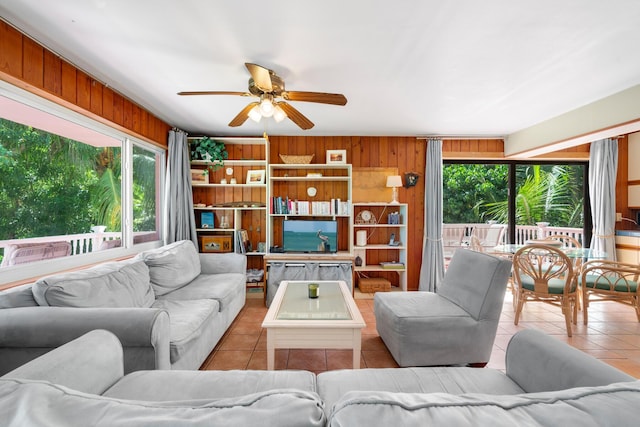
(451, 233)
(80, 243)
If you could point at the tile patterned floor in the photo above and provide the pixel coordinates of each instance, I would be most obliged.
(613, 335)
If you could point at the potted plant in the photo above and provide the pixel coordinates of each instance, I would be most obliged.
(209, 150)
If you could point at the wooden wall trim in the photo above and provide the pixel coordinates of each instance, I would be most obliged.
(26, 64)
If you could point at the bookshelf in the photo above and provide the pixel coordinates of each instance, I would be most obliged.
(309, 191)
(374, 225)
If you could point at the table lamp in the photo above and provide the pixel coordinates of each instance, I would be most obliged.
(394, 181)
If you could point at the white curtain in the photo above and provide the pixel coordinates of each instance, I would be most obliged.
(179, 218)
(603, 166)
(432, 270)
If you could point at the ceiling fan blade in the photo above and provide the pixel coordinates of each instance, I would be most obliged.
(320, 97)
(261, 76)
(214, 92)
(242, 115)
(296, 116)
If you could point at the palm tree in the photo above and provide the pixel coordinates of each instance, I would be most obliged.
(107, 198)
(544, 195)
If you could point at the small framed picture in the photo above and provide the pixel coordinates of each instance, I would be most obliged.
(255, 177)
(198, 176)
(336, 157)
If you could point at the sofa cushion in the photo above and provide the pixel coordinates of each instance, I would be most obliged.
(334, 384)
(20, 296)
(172, 266)
(186, 319)
(113, 284)
(615, 404)
(223, 287)
(40, 404)
(189, 385)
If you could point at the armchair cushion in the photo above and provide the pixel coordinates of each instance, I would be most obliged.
(113, 284)
(556, 286)
(469, 283)
(456, 325)
(172, 266)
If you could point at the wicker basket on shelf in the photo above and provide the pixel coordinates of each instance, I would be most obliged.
(296, 160)
(373, 284)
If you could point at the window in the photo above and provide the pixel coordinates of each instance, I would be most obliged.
(545, 198)
(63, 184)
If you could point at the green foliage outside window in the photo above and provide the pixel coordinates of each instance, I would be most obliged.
(51, 185)
(476, 193)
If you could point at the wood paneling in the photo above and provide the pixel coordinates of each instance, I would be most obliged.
(493, 149)
(407, 154)
(29, 65)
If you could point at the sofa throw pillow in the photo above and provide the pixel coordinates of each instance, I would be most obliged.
(172, 266)
(113, 284)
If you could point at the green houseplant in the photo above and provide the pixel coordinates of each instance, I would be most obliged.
(209, 150)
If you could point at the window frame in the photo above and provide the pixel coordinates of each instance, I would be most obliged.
(25, 273)
(511, 183)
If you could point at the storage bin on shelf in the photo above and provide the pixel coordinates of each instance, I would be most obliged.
(373, 284)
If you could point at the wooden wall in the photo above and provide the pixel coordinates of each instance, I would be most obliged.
(28, 65)
(405, 153)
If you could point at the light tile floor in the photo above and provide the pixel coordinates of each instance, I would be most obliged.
(613, 335)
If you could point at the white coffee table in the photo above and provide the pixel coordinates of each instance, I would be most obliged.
(296, 321)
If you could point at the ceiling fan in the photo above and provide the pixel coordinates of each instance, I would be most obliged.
(266, 85)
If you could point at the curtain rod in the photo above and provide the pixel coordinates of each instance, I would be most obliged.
(461, 137)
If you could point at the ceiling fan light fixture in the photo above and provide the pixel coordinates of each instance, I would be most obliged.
(255, 114)
(266, 107)
(279, 114)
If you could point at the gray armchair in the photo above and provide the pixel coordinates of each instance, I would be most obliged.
(456, 325)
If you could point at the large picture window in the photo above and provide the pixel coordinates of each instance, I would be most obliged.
(66, 190)
(529, 199)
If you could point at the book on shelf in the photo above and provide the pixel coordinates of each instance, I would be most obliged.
(240, 248)
(391, 265)
(206, 220)
(285, 206)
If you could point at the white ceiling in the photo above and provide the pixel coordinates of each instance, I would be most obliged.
(413, 67)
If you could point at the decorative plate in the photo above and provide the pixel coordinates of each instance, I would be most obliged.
(366, 217)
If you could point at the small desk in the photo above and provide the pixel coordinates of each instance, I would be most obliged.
(330, 321)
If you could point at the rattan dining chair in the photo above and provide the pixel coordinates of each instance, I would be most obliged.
(567, 241)
(544, 273)
(605, 280)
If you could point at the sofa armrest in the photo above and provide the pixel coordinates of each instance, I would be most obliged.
(223, 263)
(538, 362)
(28, 332)
(91, 363)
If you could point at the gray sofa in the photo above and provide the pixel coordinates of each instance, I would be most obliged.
(168, 306)
(82, 384)
(546, 383)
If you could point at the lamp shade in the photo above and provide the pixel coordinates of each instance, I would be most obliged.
(254, 114)
(394, 181)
